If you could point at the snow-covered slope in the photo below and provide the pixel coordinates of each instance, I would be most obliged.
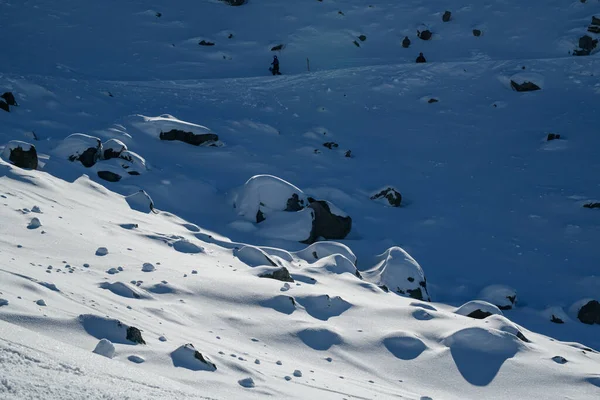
(490, 210)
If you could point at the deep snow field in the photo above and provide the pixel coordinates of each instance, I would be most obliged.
(101, 296)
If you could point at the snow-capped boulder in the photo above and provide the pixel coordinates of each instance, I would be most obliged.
(390, 195)
(319, 250)
(293, 226)
(398, 272)
(189, 137)
(586, 45)
(501, 323)
(478, 309)
(501, 296)
(334, 264)
(329, 221)
(589, 313)
(167, 127)
(263, 194)
(140, 201)
(105, 348)
(526, 82)
(186, 356)
(80, 147)
(21, 154)
(110, 329)
(112, 148)
(253, 256)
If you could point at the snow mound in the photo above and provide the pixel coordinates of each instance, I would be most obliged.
(501, 323)
(501, 296)
(153, 126)
(165, 287)
(148, 267)
(80, 146)
(267, 193)
(253, 256)
(397, 271)
(292, 226)
(404, 345)
(124, 290)
(319, 338)
(283, 304)
(186, 356)
(185, 246)
(324, 307)
(140, 201)
(335, 264)
(111, 329)
(478, 309)
(105, 348)
(319, 250)
(101, 251)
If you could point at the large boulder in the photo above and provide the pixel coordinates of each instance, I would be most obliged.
(21, 154)
(80, 147)
(390, 195)
(590, 313)
(329, 222)
(113, 148)
(398, 272)
(186, 356)
(202, 139)
(524, 87)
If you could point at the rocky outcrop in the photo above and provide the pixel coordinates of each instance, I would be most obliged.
(281, 274)
(9, 98)
(21, 154)
(393, 197)
(590, 313)
(189, 137)
(328, 223)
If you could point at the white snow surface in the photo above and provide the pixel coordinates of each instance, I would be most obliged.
(489, 208)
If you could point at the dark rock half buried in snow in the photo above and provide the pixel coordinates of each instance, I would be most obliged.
(280, 274)
(9, 97)
(398, 272)
(393, 197)
(21, 154)
(111, 329)
(80, 147)
(329, 222)
(478, 309)
(109, 176)
(113, 148)
(186, 356)
(590, 313)
(4, 106)
(189, 137)
(524, 87)
(140, 201)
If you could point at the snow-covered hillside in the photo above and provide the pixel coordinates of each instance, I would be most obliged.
(170, 241)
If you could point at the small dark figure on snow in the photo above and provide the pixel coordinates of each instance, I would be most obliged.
(275, 66)
(421, 59)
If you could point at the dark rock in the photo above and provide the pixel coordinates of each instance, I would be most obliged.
(432, 100)
(524, 87)
(348, 154)
(205, 43)
(24, 159)
(230, 36)
(393, 197)
(277, 48)
(282, 274)
(330, 145)
(559, 360)
(4, 106)
(406, 42)
(294, 203)
(109, 176)
(356, 43)
(326, 224)
(522, 337)
(553, 136)
(234, 2)
(88, 158)
(592, 205)
(556, 320)
(135, 335)
(133, 173)
(587, 43)
(596, 21)
(446, 17)
(476, 32)
(362, 38)
(110, 153)
(260, 217)
(425, 35)
(593, 29)
(478, 314)
(421, 59)
(9, 98)
(415, 293)
(189, 137)
(590, 313)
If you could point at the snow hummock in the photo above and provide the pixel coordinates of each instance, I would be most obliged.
(148, 267)
(105, 348)
(153, 126)
(483, 306)
(76, 144)
(186, 356)
(140, 201)
(293, 226)
(501, 296)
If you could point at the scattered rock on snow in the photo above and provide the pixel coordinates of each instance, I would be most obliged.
(559, 360)
(393, 197)
(297, 373)
(234, 2)
(476, 32)
(552, 136)
(280, 274)
(21, 154)
(330, 145)
(134, 335)
(447, 16)
(101, 251)
(202, 139)
(556, 320)
(186, 356)
(9, 97)
(105, 348)
(590, 313)
(406, 42)
(41, 303)
(34, 223)
(109, 176)
(524, 87)
(147, 267)
(246, 382)
(501, 296)
(4, 106)
(591, 205)
(478, 309)
(278, 47)
(424, 35)
(113, 148)
(136, 359)
(202, 43)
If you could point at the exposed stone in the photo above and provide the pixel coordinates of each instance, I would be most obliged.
(590, 313)
(326, 224)
(478, 314)
(592, 205)
(24, 158)
(330, 145)
(432, 100)
(234, 2)
(109, 176)
(260, 217)
(406, 42)
(553, 136)
(446, 17)
(393, 197)
(362, 38)
(294, 203)
(282, 274)
(593, 29)
(189, 137)
(476, 32)
(424, 35)
(135, 335)
(4, 106)
(524, 87)
(9, 98)
(205, 43)
(595, 21)
(556, 320)
(277, 48)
